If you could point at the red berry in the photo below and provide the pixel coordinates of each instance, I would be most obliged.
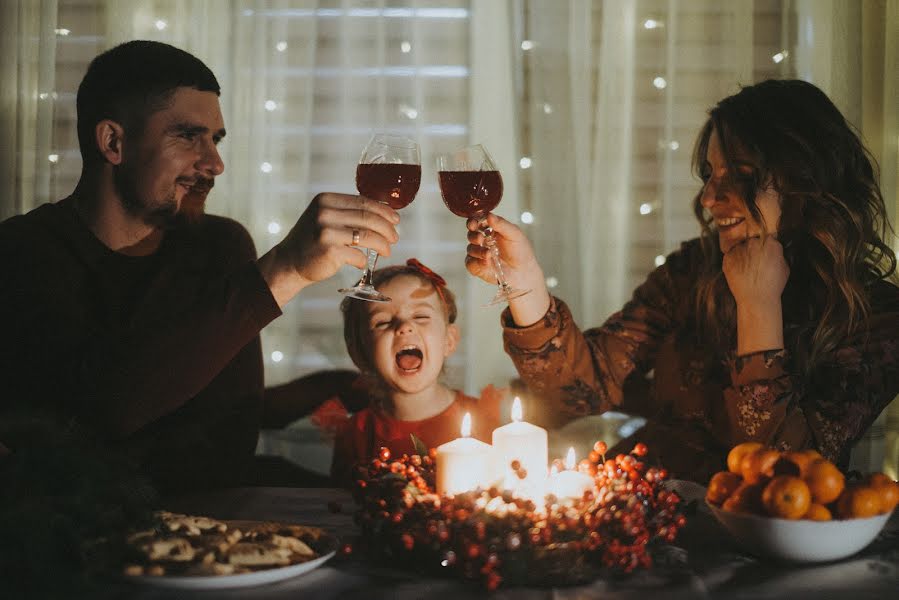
(384, 453)
(600, 447)
(493, 580)
(640, 449)
(408, 541)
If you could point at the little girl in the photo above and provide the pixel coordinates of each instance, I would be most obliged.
(400, 347)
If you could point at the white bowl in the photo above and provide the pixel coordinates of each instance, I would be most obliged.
(801, 540)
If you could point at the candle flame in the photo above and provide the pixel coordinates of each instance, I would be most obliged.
(569, 459)
(516, 409)
(466, 425)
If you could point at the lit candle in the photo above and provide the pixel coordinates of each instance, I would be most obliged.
(526, 443)
(463, 464)
(570, 483)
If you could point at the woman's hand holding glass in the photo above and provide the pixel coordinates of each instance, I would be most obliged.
(519, 265)
(472, 186)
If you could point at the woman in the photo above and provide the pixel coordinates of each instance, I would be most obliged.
(777, 325)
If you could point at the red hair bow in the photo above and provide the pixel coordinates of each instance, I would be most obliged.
(436, 279)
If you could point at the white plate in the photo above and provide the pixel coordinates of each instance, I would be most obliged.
(218, 582)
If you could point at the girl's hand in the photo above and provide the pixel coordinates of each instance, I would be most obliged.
(756, 274)
(520, 266)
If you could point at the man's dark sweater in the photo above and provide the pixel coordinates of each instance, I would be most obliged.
(159, 354)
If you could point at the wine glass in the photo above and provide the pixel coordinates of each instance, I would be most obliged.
(471, 187)
(389, 171)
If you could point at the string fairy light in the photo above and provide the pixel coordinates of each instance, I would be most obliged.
(780, 56)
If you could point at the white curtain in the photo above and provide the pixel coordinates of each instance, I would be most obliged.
(28, 45)
(589, 108)
(615, 94)
(494, 123)
(851, 50)
(304, 83)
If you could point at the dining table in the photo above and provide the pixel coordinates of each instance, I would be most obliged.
(703, 562)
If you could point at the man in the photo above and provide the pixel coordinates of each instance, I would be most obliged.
(129, 311)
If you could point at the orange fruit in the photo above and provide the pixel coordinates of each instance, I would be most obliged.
(746, 499)
(784, 466)
(721, 486)
(825, 481)
(786, 497)
(888, 490)
(817, 512)
(736, 454)
(811, 453)
(801, 459)
(758, 465)
(858, 502)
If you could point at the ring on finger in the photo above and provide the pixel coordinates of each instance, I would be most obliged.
(355, 237)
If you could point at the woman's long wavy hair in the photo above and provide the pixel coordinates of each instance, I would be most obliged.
(833, 219)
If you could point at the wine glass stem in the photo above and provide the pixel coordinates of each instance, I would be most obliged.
(490, 243)
(371, 260)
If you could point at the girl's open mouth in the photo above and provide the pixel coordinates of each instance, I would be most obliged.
(409, 359)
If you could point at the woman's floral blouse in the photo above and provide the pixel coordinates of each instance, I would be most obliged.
(645, 360)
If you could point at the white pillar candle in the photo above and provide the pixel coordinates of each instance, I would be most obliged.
(526, 443)
(570, 483)
(463, 464)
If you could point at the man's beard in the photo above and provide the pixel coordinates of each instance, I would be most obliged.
(163, 214)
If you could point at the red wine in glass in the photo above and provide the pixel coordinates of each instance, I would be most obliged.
(391, 183)
(471, 194)
(389, 171)
(471, 187)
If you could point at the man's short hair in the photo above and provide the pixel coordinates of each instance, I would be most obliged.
(132, 81)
